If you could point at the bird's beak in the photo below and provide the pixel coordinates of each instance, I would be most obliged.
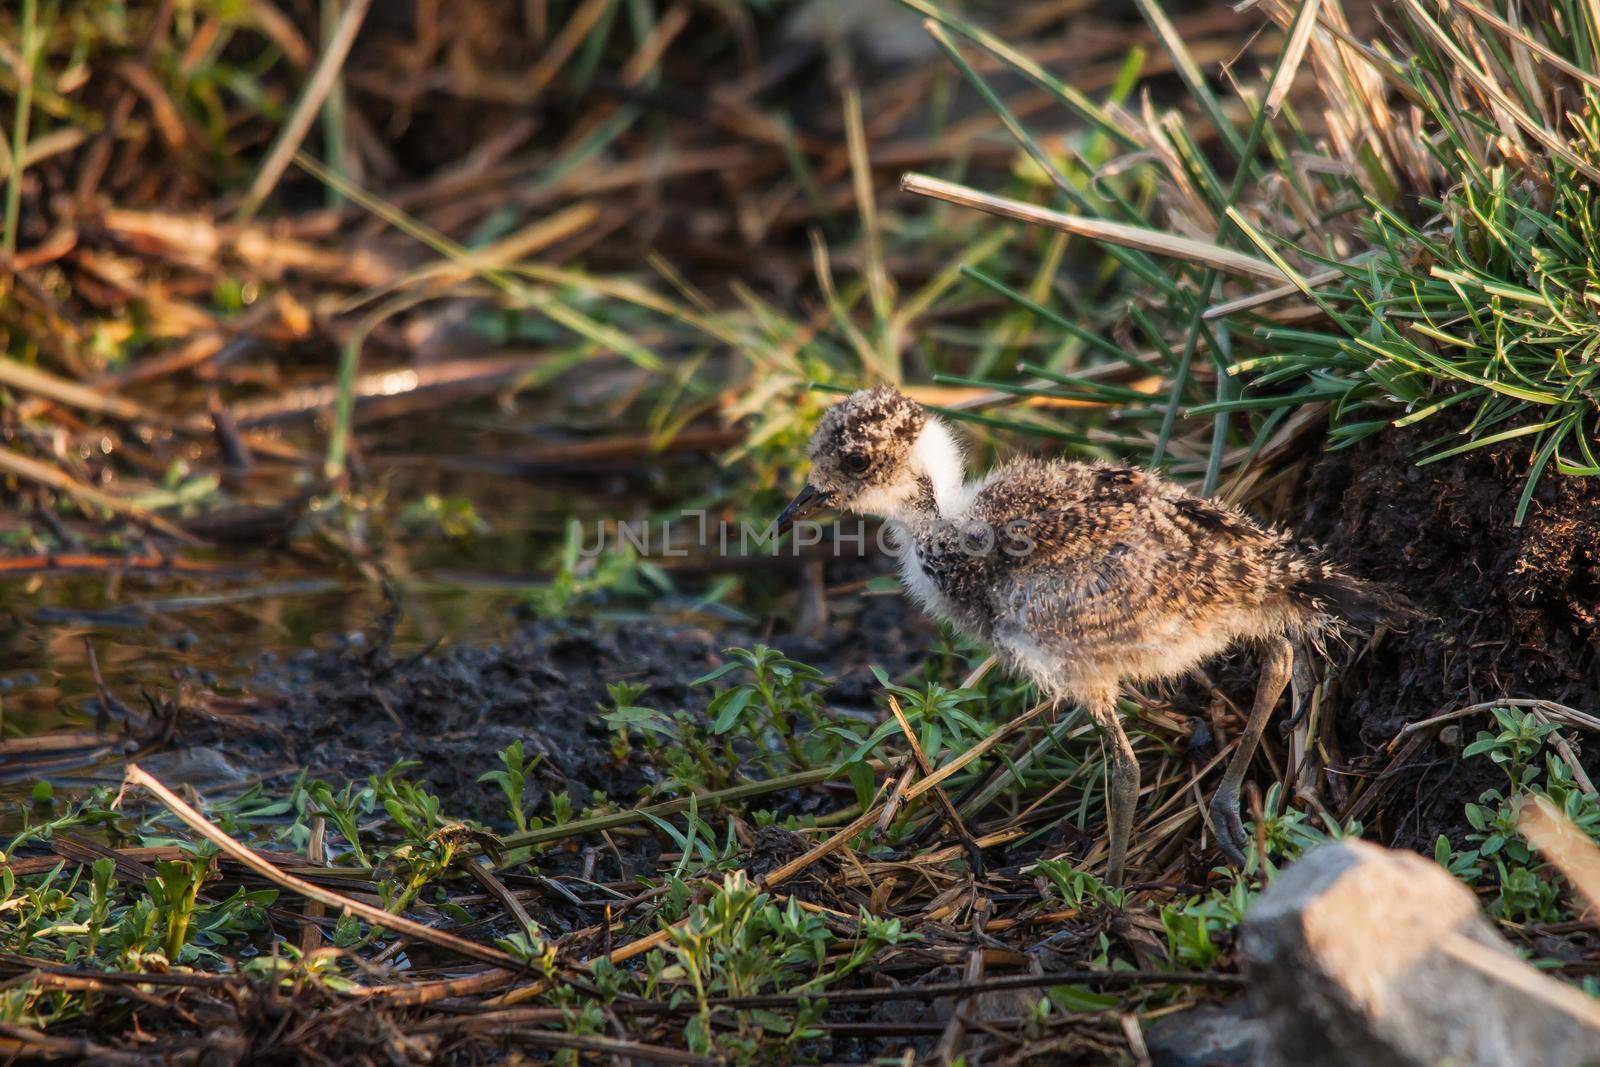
(808, 501)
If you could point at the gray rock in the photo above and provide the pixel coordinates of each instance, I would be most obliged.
(1359, 955)
(201, 768)
(1205, 1037)
(882, 31)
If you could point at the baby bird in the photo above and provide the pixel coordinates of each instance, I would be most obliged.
(1083, 577)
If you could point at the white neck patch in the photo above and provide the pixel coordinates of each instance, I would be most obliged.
(938, 454)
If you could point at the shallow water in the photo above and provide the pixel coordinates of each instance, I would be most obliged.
(156, 634)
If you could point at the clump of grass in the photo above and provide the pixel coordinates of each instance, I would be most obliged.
(1428, 211)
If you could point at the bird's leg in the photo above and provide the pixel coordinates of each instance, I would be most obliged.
(1301, 684)
(1123, 794)
(1276, 667)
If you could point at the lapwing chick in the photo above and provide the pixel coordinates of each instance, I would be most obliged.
(1083, 577)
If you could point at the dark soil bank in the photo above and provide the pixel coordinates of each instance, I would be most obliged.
(1511, 611)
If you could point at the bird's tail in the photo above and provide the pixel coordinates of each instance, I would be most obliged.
(1317, 585)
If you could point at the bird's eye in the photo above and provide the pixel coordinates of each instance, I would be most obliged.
(855, 462)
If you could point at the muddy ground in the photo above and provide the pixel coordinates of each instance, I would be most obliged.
(354, 710)
(1509, 611)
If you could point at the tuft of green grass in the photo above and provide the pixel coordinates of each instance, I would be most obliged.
(1429, 206)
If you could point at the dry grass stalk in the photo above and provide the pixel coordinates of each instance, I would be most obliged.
(1185, 249)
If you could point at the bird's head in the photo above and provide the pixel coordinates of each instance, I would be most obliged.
(876, 452)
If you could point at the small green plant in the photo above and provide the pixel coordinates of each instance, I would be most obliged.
(1525, 896)
(1463, 863)
(771, 716)
(513, 779)
(1189, 940)
(697, 841)
(679, 743)
(186, 492)
(1514, 746)
(934, 711)
(173, 889)
(1288, 833)
(1194, 925)
(626, 713)
(452, 518)
(1497, 848)
(530, 946)
(91, 918)
(740, 942)
(776, 702)
(615, 572)
(411, 807)
(345, 810)
(936, 714)
(1077, 888)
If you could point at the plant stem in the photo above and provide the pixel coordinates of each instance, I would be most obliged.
(19, 126)
(705, 801)
(1208, 281)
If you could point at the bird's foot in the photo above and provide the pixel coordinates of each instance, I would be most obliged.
(1288, 726)
(1229, 828)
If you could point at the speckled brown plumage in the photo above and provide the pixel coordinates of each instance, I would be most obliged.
(1116, 574)
(1083, 577)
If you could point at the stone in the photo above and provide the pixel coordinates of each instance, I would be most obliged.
(1359, 955)
(1206, 1036)
(202, 768)
(881, 31)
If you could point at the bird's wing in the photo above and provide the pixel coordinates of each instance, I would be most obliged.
(1107, 554)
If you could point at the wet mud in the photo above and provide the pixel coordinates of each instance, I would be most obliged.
(352, 712)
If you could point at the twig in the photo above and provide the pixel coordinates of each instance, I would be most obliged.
(317, 856)
(978, 750)
(951, 815)
(1293, 53)
(1549, 707)
(891, 806)
(1117, 233)
(440, 939)
(1111, 979)
(1565, 750)
(21, 1041)
(31, 380)
(609, 1046)
(978, 672)
(955, 1030)
(305, 109)
(705, 802)
(32, 470)
(26, 565)
(508, 900)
